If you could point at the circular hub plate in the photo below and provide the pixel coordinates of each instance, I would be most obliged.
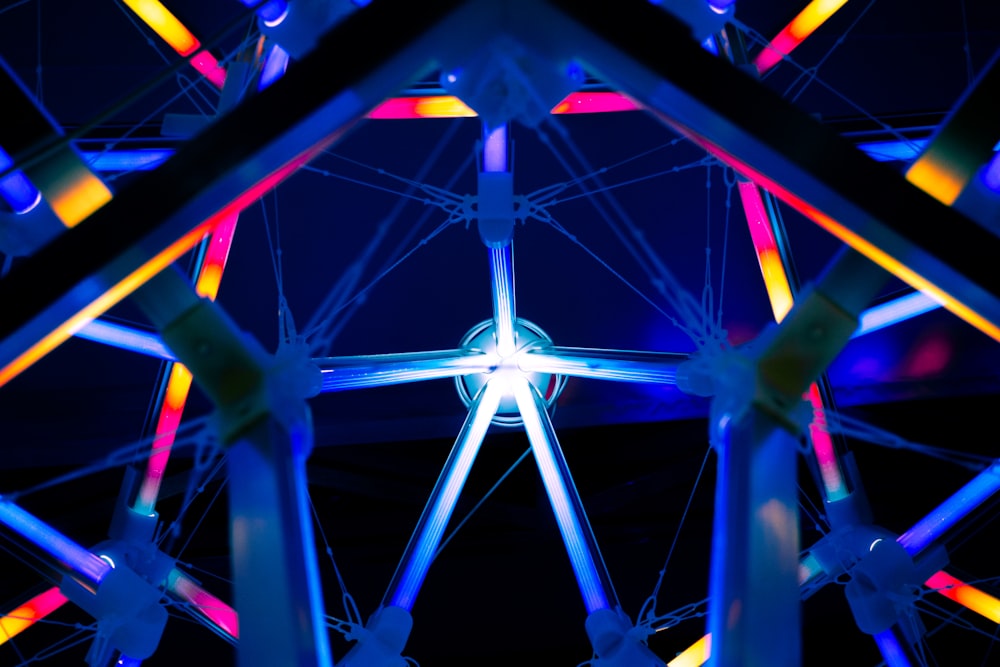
(482, 337)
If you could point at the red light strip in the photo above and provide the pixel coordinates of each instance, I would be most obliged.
(809, 19)
(29, 613)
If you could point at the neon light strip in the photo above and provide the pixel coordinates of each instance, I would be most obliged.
(779, 293)
(15, 188)
(892, 652)
(826, 455)
(70, 554)
(615, 365)
(695, 655)
(991, 175)
(178, 37)
(952, 510)
(344, 373)
(809, 19)
(436, 106)
(35, 609)
(125, 661)
(179, 383)
(275, 64)
(272, 12)
(895, 311)
(891, 151)
(968, 596)
(565, 505)
(501, 270)
(775, 279)
(495, 149)
(596, 102)
(144, 159)
(427, 536)
(218, 612)
(126, 338)
(809, 568)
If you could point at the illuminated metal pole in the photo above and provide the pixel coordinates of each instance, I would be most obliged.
(427, 535)
(496, 228)
(588, 565)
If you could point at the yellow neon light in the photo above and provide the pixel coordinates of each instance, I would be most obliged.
(165, 24)
(968, 596)
(813, 16)
(695, 655)
(776, 282)
(938, 177)
(905, 273)
(443, 106)
(75, 196)
(27, 614)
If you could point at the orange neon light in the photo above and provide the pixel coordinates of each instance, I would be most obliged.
(937, 176)
(166, 25)
(35, 609)
(808, 20)
(779, 292)
(77, 195)
(695, 655)
(968, 596)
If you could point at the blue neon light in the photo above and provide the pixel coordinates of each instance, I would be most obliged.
(952, 510)
(16, 189)
(892, 652)
(501, 261)
(588, 578)
(144, 159)
(894, 312)
(274, 67)
(991, 175)
(271, 12)
(427, 537)
(54, 543)
(495, 150)
(126, 338)
(892, 151)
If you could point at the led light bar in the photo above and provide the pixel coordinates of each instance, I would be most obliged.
(952, 510)
(502, 273)
(968, 596)
(895, 311)
(427, 535)
(15, 188)
(808, 20)
(587, 566)
(615, 365)
(32, 611)
(695, 655)
(179, 38)
(126, 159)
(380, 370)
(892, 651)
(275, 65)
(826, 455)
(213, 263)
(126, 338)
(70, 554)
(218, 612)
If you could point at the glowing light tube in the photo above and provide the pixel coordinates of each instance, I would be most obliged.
(895, 311)
(17, 621)
(15, 188)
(449, 106)
(380, 370)
(178, 37)
(968, 596)
(275, 65)
(213, 263)
(126, 338)
(596, 102)
(808, 20)
(140, 159)
(502, 272)
(495, 149)
(892, 651)
(221, 615)
(71, 555)
(893, 151)
(952, 510)
(616, 365)
(779, 292)
(125, 661)
(426, 538)
(271, 12)
(695, 655)
(588, 566)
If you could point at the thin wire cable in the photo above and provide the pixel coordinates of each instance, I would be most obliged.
(13, 5)
(350, 606)
(479, 504)
(649, 606)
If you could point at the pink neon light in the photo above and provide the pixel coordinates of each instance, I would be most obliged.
(447, 106)
(32, 611)
(826, 456)
(596, 102)
(968, 596)
(209, 67)
(179, 383)
(780, 294)
(220, 613)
